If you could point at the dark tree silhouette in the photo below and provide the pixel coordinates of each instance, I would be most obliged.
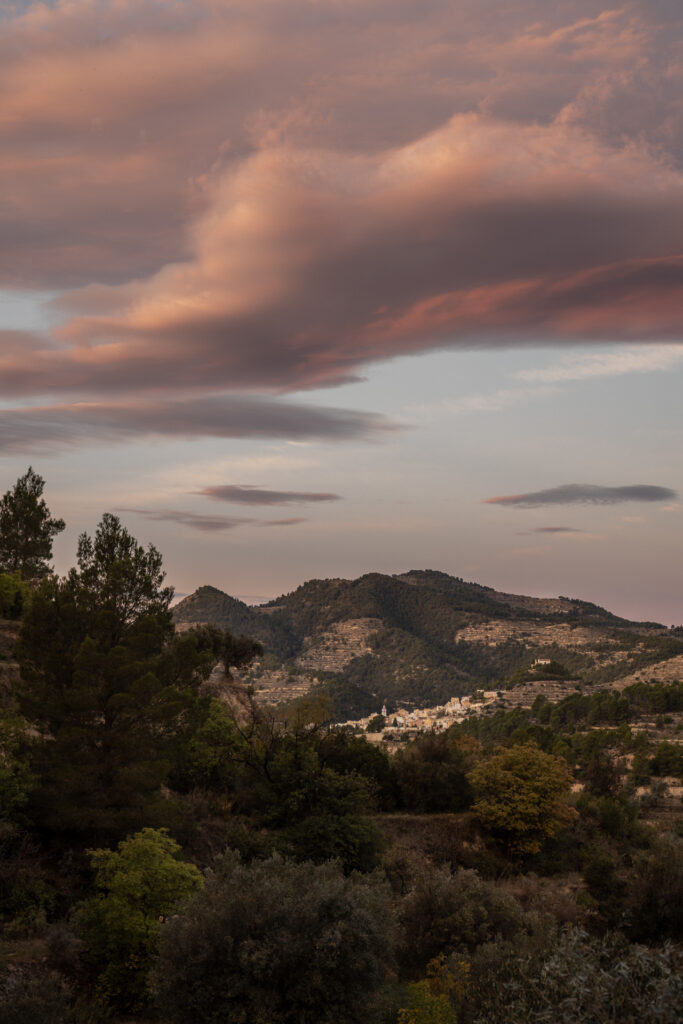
(27, 529)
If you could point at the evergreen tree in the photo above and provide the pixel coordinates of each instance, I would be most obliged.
(26, 528)
(107, 687)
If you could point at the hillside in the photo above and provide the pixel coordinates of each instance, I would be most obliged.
(422, 637)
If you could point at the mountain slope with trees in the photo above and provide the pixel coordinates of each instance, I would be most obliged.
(428, 636)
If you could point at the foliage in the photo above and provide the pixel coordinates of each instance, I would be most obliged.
(655, 697)
(139, 885)
(431, 774)
(655, 895)
(206, 758)
(13, 595)
(521, 796)
(319, 811)
(26, 528)
(275, 943)
(118, 583)
(449, 912)
(580, 979)
(602, 776)
(27, 996)
(345, 753)
(16, 778)
(668, 760)
(436, 999)
(106, 686)
(42, 996)
(353, 840)
(238, 651)
(27, 894)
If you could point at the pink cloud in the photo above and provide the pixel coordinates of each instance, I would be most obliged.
(268, 198)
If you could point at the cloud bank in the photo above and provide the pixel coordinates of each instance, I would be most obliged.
(205, 523)
(247, 494)
(270, 197)
(584, 494)
(555, 529)
(54, 427)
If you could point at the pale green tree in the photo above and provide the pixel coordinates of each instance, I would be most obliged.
(521, 796)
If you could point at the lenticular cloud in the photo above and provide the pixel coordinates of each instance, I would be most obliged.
(585, 494)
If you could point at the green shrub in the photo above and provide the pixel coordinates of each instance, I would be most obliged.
(13, 595)
(275, 942)
(656, 893)
(522, 796)
(453, 912)
(431, 775)
(138, 886)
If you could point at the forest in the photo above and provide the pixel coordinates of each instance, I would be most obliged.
(171, 850)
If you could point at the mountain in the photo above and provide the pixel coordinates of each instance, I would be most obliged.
(421, 637)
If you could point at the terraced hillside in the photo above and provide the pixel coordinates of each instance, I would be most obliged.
(424, 636)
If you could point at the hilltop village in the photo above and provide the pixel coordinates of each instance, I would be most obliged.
(404, 724)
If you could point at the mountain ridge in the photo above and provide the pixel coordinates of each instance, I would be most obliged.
(422, 635)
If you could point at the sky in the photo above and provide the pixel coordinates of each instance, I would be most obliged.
(312, 288)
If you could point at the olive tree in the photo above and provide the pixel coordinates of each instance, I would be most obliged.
(275, 942)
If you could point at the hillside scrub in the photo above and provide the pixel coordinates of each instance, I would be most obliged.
(275, 943)
(578, 979)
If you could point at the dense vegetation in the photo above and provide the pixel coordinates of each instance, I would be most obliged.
(169, 851)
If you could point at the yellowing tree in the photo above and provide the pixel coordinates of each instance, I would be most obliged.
(437, 998)
(521, 796)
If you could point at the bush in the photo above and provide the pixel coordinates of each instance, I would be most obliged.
(453, 913)
(657, 894)
(13, 595)
(275, 942)
(33, 997)
(436, 999)
(43, 997)
(139, 885)
(581, 979)
(668, 760)
(431, 775)
(355, 841)
(27, 895)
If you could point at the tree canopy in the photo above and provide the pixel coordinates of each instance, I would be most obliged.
(138, 885)
(26, 528)
(275, 943)
(107, 686)
(521, 796)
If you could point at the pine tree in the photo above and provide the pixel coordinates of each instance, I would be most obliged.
(27, 529)
(107, 687)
